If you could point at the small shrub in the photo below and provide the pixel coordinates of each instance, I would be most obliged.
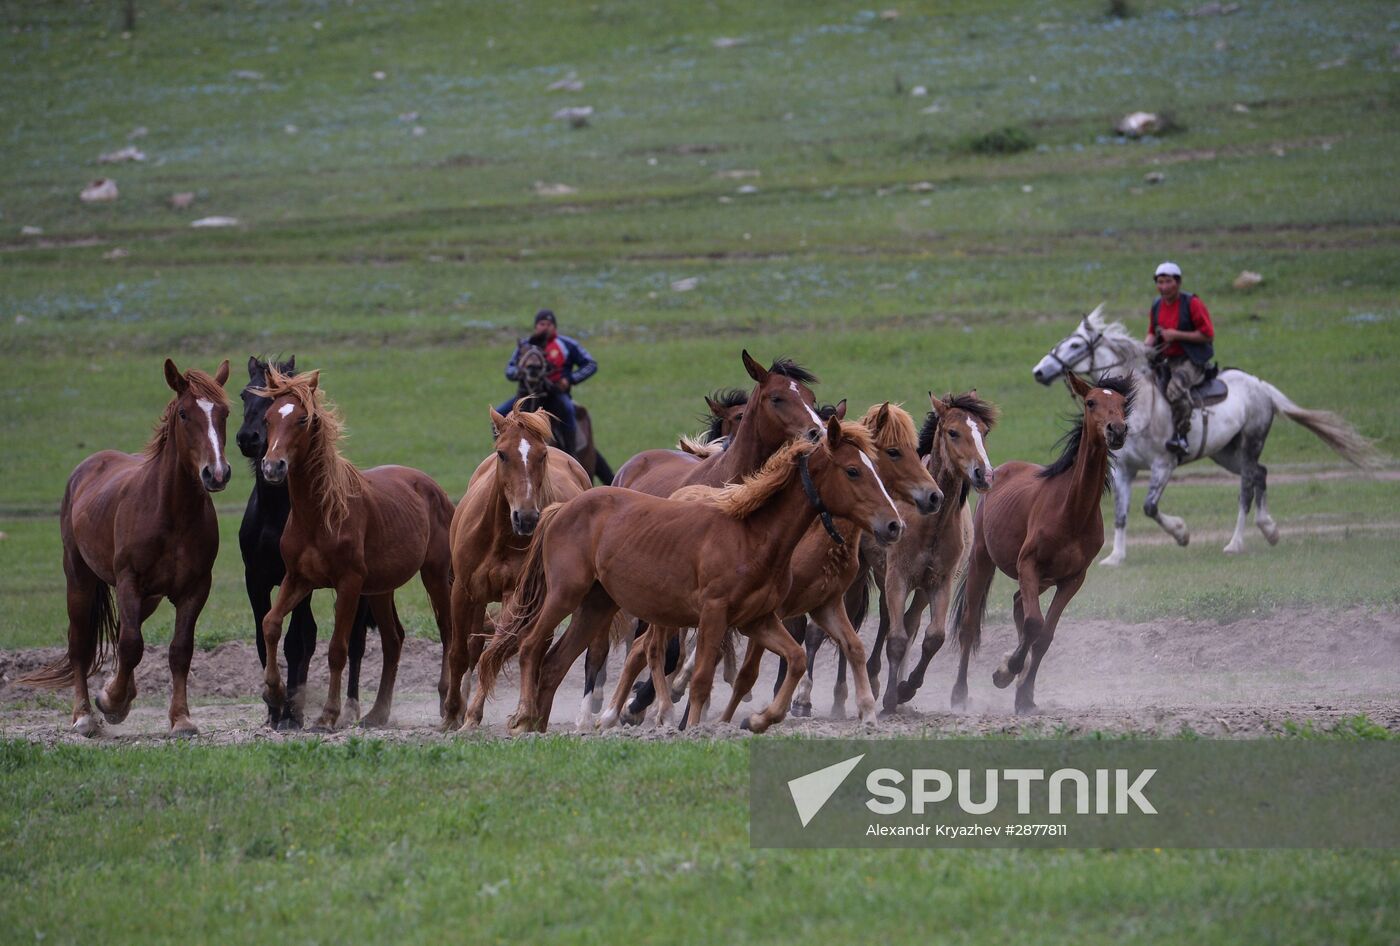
(1011, 139)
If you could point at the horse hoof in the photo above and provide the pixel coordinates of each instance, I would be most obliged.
(1233, 549)
(114, 715)
(906, 691)
(754, 724)
(375, 721)
(1271, 536)
(288, 723)
(351, 713)
(1027, 709)
(183, 729)
(86, 726)
(1002, 677)
(888, 712)
(1112, 561)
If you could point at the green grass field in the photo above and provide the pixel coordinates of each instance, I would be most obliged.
(406, 262)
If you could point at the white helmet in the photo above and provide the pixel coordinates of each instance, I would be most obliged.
(1168, 269)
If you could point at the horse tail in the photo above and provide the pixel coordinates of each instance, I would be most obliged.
(525, 607)
(102, 621)
(969, 639)
(1329, 428)
(857, 610)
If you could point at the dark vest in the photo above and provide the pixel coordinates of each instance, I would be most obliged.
(1200, 354)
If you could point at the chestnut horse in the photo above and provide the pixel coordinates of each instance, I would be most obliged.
(145, 524)
(490, 535)
(826, 562)
(361, 533)
(714, 564)
(1042, 526)
(260, 541)
(930, 557)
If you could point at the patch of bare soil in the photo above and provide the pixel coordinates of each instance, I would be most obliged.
(1244, 679)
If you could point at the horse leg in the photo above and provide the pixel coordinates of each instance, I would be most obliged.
(980, 572)
(1033, 623)
(391, 641)
(437, 582)
(467, 617)
(838, 689)
(590, 621)
(638, 656)
(657, 647)
(1262, 519)
(744, 680)
(260, 598)
(364, 617)
(645, 692)
(347, 602)
(89, 604)
(1122, 483)
(802, 699)
(934, 636)
(595, 677)
(678, 680)
(289, 594)
(872, 666)
(114, 700)
(297, 649)
(709, 636)
(181, 651)
(770, 633)
(897, 645)
(1175, 526)
(831, 617)
(1236, 544)
(1025, 691)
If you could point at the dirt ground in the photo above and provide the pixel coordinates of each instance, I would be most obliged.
(1247, 678)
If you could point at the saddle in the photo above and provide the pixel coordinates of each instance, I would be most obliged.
(1209, 392)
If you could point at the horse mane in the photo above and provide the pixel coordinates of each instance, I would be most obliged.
(538, 423)
(725, 398)
(741, 500)
(699, 447)
(204, 386)
(969, 402)
(333, 478)
(1073, 438)
(1123, 344)
(898, 431)
(791, 369)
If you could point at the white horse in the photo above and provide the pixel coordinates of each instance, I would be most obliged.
(1231, 433)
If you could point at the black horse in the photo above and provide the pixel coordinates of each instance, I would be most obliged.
(537, 393)
(260, 540)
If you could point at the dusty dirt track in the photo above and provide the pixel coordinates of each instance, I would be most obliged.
(1247, 678)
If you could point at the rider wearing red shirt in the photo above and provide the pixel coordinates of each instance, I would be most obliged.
(1186, 343)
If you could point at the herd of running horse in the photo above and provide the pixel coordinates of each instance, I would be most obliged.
(771, 527)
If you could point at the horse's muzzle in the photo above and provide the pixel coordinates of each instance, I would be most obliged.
(215, 480)
(928, 501)
(274, 471)
(1043, 377)
(982, 479)
(524, 521)
(250, 444)
(888, 531)
(1116, 436)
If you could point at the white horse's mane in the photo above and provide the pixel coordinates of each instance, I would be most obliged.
(1126, 347)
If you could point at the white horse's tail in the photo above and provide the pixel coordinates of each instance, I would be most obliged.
(1330, 429)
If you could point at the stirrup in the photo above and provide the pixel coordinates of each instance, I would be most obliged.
(1179, 446)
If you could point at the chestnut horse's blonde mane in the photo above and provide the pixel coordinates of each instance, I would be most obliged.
(539, 424)
(699, 448)
(741, 500)
(898, 430)
(202, 386)
(333, 478)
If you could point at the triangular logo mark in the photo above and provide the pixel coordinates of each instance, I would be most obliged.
(812, 791)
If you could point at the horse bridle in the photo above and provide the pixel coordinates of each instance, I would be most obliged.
(1093, 346)
(815, 499)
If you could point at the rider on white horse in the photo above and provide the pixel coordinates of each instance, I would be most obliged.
(1180, 326)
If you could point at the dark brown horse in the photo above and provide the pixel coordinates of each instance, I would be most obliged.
(490, 535)
(713, 564)
(144, 524)
(1042, 526)
(537, 393)
(361, 533)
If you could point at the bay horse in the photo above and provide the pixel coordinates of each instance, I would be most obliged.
(260, 541)
(538, 393)
(714, 564)
(359, 532)
(1231, 432)
(144, 524)
(827, 560)
(931, 555)
(1042, 526)
(490, 535)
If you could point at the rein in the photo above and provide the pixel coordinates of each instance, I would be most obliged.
(815, 499)
(1092, 346)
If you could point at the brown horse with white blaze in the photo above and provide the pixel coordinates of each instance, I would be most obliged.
(490, 536)
(359, 532)
(1042, 526)
(712, 565)
(144, 524)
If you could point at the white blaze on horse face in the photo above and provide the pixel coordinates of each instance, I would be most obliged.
(524, 448)
(880, 483)
(810, 413)
(977, 441)
(208, 407)
(287, 409)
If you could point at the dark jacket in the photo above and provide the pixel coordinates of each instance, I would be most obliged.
(579, 365)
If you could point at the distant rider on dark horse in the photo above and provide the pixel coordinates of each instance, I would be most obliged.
(1180, 328)
(568, 363)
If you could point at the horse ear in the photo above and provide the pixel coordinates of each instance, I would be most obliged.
(221, 375)
(290, 365)
(1077, 385)
(939, 407)
(313, 380)
(833, 433)
(174, 378)
(254, 366)
(497, 422)
(840, 412)
(755, 370)
(714, 408)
